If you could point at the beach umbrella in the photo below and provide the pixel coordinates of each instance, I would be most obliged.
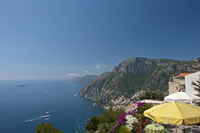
(182, 97)
(174, 113)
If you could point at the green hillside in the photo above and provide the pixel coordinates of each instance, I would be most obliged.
(135, 75)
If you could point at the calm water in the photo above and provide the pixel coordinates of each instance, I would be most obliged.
(57, 99)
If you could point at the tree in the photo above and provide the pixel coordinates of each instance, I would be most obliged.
(196, 86)
(47, 128)
(92, 124)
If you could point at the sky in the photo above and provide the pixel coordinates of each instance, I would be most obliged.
(58, 39)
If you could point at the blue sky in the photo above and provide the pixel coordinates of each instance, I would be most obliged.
(56, 39)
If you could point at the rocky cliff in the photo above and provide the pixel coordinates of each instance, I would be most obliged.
(132, 77)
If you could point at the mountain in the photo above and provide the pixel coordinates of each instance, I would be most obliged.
(133, 76)
(84, 80)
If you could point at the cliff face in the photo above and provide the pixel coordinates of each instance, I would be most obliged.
(133, 76)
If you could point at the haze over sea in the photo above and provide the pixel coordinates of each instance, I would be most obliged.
(59, 99)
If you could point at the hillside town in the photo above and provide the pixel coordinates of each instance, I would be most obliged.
(178, 112)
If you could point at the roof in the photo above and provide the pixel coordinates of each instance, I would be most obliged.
(181, 96)
(183, 74)
(132, 105)
(151, 101)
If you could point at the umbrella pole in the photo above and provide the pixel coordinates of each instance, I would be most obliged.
(176, 128)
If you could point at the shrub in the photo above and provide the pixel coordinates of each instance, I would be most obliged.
(110, 116)
(139, 117)
(105, 127)
(104, 122)
(130, 121)
(123, 129)
(146, 106)
(92, 124)
(134, 129)
(47, 128)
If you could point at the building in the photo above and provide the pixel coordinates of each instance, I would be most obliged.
(131, 107)
(177, 83)
(188, 82)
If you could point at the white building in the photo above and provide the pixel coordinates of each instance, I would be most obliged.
(177, 83)
(188, 82)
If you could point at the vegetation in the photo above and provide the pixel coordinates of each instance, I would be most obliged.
(197, 86)
(104, 122)
(116, 121)
(93, 124)
(123, 129)
(146, 106)
(134, 130)
(47, 128)
(128, 81)
(153, 95)
(104, 127)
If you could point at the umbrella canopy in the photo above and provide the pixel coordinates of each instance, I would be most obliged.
(174, 113)
(182, 96)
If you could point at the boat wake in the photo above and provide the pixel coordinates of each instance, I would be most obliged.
(45, 117)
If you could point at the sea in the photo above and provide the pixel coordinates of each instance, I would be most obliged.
(25, 104)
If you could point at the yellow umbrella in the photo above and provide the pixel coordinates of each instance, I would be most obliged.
(174, 113)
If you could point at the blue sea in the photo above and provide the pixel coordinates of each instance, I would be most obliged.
(24, 107)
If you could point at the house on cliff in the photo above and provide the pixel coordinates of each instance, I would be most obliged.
(177, 83)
